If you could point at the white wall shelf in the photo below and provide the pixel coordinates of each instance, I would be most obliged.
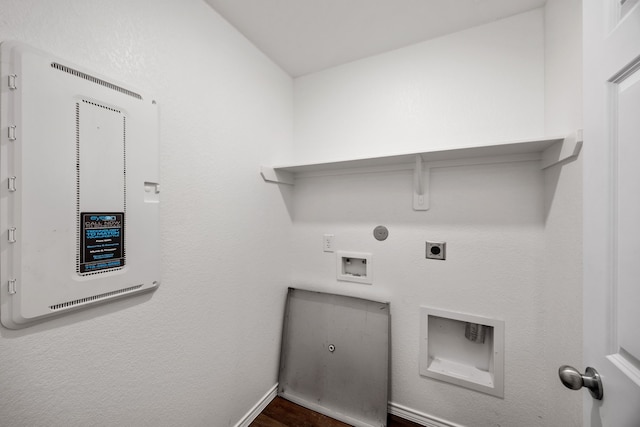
(550, 151)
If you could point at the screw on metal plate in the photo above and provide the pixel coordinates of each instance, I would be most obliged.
(380, 233)
(332, 348)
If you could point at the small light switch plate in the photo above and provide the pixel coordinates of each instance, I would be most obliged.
(436, 250)
(327, 243)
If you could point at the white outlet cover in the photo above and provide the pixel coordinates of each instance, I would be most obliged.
(328, 242)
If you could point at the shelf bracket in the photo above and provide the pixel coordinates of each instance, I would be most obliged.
(421, 175)
(565, 150)
(277, 176)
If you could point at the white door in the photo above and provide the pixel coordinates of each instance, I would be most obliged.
(612, 209)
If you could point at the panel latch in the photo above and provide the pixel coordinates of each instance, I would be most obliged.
(12, 81)
(12, 235)
(12, 287)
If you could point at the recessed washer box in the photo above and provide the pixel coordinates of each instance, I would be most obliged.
(79, 186)
(462, 349)
(354, 267)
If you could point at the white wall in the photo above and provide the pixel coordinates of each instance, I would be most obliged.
(491, 217)
(204, 347)
(507, 226)
(563, 66)
(483, 85)
(563, 207)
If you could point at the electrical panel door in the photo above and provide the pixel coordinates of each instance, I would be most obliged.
(79, 205)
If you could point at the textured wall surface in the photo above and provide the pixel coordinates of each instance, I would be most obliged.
(492, 218)
(563, 66)
(563, 207)
(202, 349)
(512, 230)
(478, 86)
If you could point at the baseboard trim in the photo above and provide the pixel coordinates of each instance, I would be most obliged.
(258, 407)
(393, 408)
(419, 417)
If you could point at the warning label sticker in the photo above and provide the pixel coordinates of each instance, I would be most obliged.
(102, 241)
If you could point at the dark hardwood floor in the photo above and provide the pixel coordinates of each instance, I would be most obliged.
(282, 413)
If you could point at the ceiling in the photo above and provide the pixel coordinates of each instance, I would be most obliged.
(304, 36)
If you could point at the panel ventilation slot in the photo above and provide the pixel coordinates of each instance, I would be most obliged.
(78, 228)
(124, 190)
(95, 80)
(94, 298)
(102, 106)
(78, 183)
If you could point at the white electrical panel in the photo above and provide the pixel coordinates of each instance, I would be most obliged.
(79, 188)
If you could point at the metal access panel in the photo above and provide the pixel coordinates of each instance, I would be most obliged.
(335, 356)
(79, 188)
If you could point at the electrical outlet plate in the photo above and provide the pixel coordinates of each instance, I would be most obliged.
(327, 242)
(436, 250)
(81, 163)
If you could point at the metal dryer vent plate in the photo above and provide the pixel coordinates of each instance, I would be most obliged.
(335, 356)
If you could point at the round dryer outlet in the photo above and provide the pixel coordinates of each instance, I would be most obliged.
(436, 250)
